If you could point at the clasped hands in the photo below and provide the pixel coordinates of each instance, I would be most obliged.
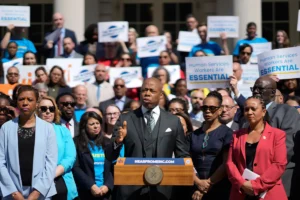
(99, 191)
(203, 187)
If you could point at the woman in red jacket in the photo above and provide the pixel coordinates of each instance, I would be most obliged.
(261, 149)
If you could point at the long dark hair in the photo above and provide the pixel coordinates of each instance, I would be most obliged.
(62, 81)
(82, 140)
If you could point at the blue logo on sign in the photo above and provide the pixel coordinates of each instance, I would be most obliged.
(83, 72)
(152, 46)
(113, 31)
(128, 76)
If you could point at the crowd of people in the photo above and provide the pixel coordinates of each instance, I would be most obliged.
(61, 143)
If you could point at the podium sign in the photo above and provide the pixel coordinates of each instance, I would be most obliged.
(154, 171)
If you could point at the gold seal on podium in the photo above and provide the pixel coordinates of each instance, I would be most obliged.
(153, 175)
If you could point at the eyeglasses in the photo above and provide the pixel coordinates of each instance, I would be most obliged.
(46, 108)
(112, 114)
(205, 141)
(13, 74)
(126, 59)
(245, 53)
(259, 89)
(121, 86)
(66, 104)
(210, 108)
(227, 107)
(165, 57)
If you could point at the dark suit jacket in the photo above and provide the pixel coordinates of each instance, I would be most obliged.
(103, 105)
(167, 142)
(84, 173)
(49, 53)
(234, 126)
(76, 128)
(286, 118)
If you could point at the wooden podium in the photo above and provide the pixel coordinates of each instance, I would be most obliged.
(154, 171)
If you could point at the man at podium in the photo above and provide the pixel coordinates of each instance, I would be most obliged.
(148, 132)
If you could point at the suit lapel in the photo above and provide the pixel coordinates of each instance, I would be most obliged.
(139, 123)
(271, 110)
(242, 145)
(39, 144)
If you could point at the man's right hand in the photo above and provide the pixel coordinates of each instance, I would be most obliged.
(10, 27)
(122, 132)
(17, 196)
(233, 84)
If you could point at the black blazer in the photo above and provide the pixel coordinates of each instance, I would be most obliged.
(103, 105)
(84, 173)
(49, 53)
(83, 48)
(170, 139)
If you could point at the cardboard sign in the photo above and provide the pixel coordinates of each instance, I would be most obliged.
(82, 75)
(151, 46)
(27, 75)
(259, 48)
(131, 75)
(285, 63)
(187, 40)
(112, 31)
(223, 24)
(174, 71)
(15, 62)
(19, 16)
(208, 72)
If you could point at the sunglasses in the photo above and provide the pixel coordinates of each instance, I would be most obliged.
(210, 108)
(4, 110)
(66, 104)
(205, 141)
(45, 109)
(165, 57)
(121, 86)
(125, 59)
(13, 74)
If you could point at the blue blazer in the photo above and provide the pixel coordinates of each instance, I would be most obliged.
(66, 158)
(44, 159)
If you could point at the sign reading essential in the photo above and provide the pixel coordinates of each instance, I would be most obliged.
(19, 16)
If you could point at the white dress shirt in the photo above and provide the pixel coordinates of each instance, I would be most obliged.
(71, 126)
(155, 113)
(229, 124)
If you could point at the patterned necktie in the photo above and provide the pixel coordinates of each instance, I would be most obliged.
(150, 121)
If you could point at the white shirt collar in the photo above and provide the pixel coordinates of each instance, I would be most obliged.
(229, 124)
(122, 99)
(155, 110)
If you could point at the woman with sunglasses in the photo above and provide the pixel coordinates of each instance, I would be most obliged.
(125, 60)
(261, 149)
(28, 152)
(92, 172)
(64, 181)
(57, 83)
(209, 148)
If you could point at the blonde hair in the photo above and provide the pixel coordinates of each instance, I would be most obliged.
(134, 31)
(56, 119)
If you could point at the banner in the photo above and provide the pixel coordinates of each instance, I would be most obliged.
(186, 40)
(151, 46)
(208, 72)
(131, 75)
(15, 62)
(113, 31)
(67, 64)
(19, 16)
(27, 75)
(223, 24)
(259, 48)
(298, 27)
(82, 75)
(174, 71)
(285, 63)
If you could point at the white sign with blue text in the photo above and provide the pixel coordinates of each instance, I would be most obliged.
(259, 48)
(131, 75)
(186, 40)
(151, 46)
(223, 24)
(112, 31)
(19, 16)
(285, 63)
(82, 75)
(208, 72)
(174, 71)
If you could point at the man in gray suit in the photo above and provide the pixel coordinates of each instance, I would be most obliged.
(228, 113)
(148, 132)
(69, 49)
(281, 116)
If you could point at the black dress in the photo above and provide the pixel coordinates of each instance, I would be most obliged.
(207, 160)
(250, 155)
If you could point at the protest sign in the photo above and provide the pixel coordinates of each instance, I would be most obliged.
(208, 72)
(174, 71)
(186, 40)
(15, 62)
(259, 48)
(19, 16)
(27, 75)
(223, 24)
(298, 27)
(82, 75)
(285, 63)
(131, 75)
(151, 46)
(112, 31)
(250, 73)
(67, 64)
(7, 89)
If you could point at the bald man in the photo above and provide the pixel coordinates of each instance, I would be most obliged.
(80, 92)
(120, 99)
(12, 75)
(151, 133)
(53, 43)
(281, 116)
(153, 61)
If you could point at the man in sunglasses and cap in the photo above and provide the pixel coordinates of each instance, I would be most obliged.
(66, 104)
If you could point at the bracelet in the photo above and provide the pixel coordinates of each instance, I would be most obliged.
(14, 194)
